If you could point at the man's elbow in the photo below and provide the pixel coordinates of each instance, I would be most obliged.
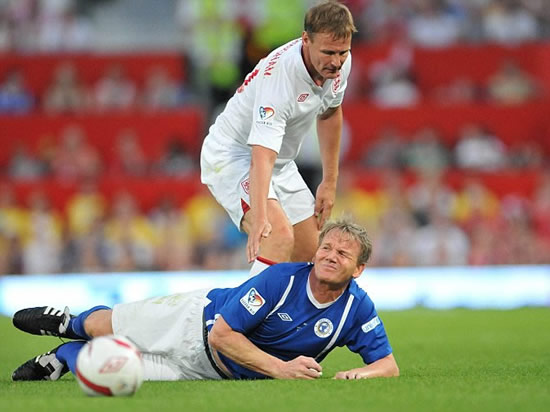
(215, 339)
(393, 371)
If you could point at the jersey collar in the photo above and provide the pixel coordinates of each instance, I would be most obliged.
(314, 301)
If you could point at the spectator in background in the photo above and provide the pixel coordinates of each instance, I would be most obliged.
(387, 150)
(74, 158)
(440, 242)
(526, 154)
(508, 22)
(394, 89)
(426, 151)
(130, 158)
(382, 21)
(17, 21)
(14, 97)
(161, 91)
(42, 248)
(461, 90)
(212, 37)
(541, 209)
(85, 208)
(474, 205)
(175, 161)
(6, 31)
(394, 238)
(114, 90)
(433, 26)
(13, 230)
(60, 28)
(430, 194)
(478, 149)
(392, 81)
(518, 240)
(66, 94)
(23, 166)
(174, 250)
(130, 236)
(510, 85)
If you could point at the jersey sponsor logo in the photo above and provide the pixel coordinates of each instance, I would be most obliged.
(371, 324)
(266, 112)
(323, 328)
(285, 316)
(302, 98)
(336, 83)
(245, 184)
(252, 301)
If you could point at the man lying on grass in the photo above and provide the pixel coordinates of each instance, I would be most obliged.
(281, 323)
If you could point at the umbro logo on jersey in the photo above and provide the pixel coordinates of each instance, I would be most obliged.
(252, 301)
(285, 316)
(302, 98)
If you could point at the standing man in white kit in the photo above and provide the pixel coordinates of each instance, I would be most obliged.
(247, 159)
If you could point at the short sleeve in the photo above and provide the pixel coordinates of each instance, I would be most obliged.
(273, 106)
(368, 336)
(256, 299)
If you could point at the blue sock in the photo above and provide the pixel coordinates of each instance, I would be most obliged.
(68, 352)
(77, 324)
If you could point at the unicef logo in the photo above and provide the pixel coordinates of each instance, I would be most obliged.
(323, 328)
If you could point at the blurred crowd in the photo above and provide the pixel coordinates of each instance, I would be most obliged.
(114, 91)
(414, 214)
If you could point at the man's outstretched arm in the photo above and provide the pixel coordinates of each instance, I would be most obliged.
(382, 368)
(329, 131)
(240, 349)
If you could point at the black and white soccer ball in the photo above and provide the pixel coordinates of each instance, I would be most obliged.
(109, 366)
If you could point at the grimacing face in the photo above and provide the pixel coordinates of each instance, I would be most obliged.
(336, 259)
(326, 54)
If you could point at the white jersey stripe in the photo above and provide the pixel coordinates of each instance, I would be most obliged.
(340, 326)
(283, 298)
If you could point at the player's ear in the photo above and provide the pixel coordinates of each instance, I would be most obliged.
(358, 271)
(305, 38)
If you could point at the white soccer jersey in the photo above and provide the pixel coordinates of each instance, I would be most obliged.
(276, 106)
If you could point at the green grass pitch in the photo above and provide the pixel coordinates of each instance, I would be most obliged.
(458, 360)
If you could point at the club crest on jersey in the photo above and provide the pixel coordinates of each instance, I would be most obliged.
(245, 184)
(266, 112)
(302, 98)
(252, 301)
(336, 83)
(323, 328)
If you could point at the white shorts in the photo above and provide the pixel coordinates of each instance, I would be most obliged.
(227, 176)
(168, 331)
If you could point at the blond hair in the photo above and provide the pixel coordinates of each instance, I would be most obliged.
(353, 230)
(330, 17)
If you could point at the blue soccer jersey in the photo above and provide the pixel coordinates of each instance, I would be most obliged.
(277, 311)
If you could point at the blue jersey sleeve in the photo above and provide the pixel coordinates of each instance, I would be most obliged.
(254, 300)
(367, 336)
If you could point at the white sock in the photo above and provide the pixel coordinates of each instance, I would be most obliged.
(259, 265)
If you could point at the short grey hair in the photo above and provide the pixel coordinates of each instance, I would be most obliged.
(355, 231)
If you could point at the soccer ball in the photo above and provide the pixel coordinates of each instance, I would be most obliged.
(109, 366)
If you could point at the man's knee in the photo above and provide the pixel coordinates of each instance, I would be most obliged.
(283, 237)
(99, 323)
